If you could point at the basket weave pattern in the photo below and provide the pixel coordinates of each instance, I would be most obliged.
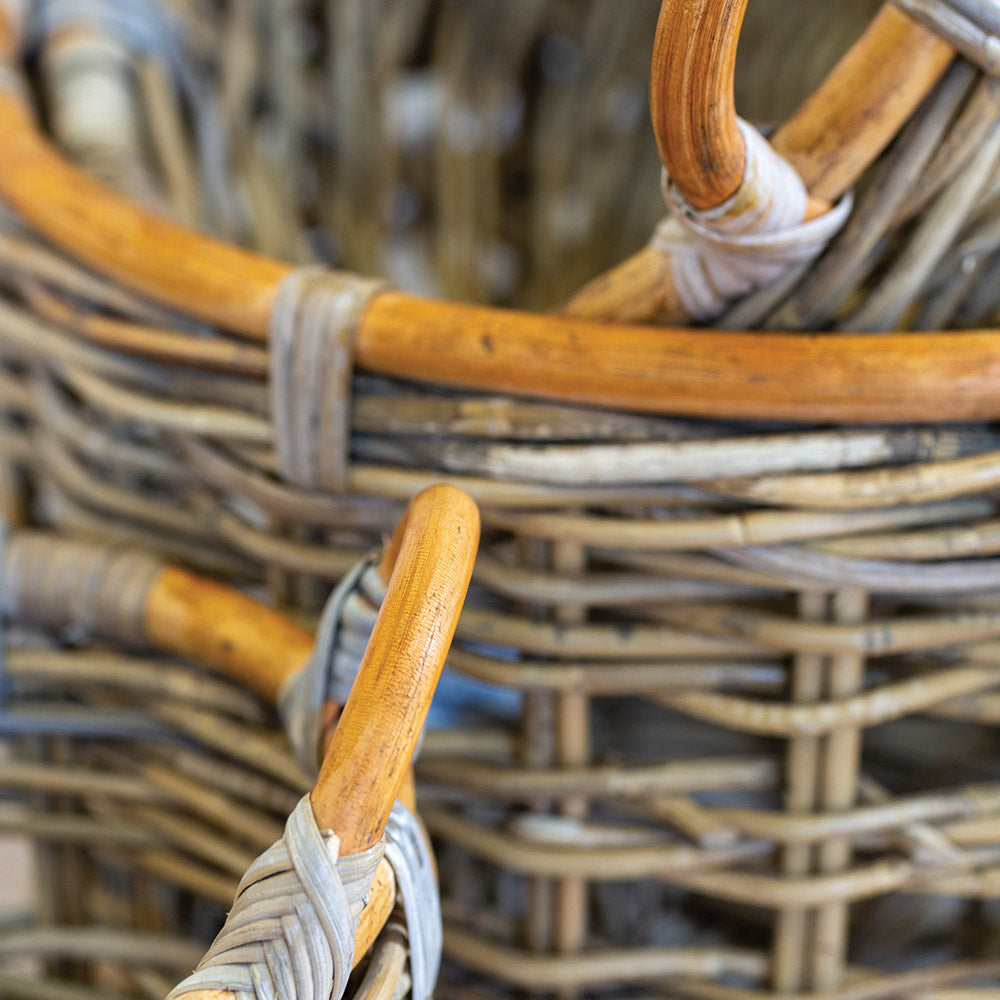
(753, 666)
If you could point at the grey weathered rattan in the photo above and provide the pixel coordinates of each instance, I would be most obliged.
(753, 747)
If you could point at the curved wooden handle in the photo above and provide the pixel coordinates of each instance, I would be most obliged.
(429, 564)
(691, 100)
(830, 140)
(432, 554)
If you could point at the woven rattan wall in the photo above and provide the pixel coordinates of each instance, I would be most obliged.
(147, 787)
(736, 726)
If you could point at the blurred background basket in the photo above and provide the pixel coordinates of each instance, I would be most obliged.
(721, 719)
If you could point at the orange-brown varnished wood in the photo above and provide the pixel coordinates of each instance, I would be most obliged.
(366, 767)
(710, 373)
(691, 99)
(863, 102)
(381, 900)
(831, 139)
(701, 373)
(9, 40)
(381, 722)
(206, 621)
(638, 290)
(207, 278)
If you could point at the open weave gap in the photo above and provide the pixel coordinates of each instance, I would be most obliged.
(290, 932)
(314, 324)
(970, 26)
(753, 238)
(147, 28)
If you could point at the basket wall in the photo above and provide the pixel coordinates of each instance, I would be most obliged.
(734, 722)
(146, 788)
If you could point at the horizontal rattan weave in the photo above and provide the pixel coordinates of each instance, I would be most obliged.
(732, 731)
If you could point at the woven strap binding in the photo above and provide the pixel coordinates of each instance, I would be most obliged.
(971, 26)
(343, 632)
(75, 586)
(721, 253)
(329, 673)
(290, 932)
(314, 323)
(406, 850)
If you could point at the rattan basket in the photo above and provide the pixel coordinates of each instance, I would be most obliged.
(731, 644)
(146, 772)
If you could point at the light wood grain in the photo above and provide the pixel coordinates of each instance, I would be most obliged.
(691, 100)
(381, 722)
(839, 377)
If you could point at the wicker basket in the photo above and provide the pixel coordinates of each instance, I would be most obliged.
(148, 784)
(731, 641)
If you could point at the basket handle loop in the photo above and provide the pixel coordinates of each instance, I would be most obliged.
(431, 557)
(833, 136)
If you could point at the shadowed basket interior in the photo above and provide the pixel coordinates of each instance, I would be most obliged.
(723, 707)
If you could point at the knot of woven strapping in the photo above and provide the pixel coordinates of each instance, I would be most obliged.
(721, 253)
(970, 26)
(75, 586)
(314, 324)
(291, 930)
(407, 851)
(328, 675)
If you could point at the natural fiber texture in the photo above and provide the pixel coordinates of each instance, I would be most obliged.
(971, 26)
(314, 323)
(176, 780)
(329, 673)
(416, 883)
(753, 238)
(341, 636)
(290, 932)
(76, 587)
(723, 704)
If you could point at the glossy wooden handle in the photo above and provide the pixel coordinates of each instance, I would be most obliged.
(691, 100)
(830, 140)
(378, 730)
(208, 622)
(429, 563)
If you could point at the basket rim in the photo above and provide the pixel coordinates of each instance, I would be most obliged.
(841, 377)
